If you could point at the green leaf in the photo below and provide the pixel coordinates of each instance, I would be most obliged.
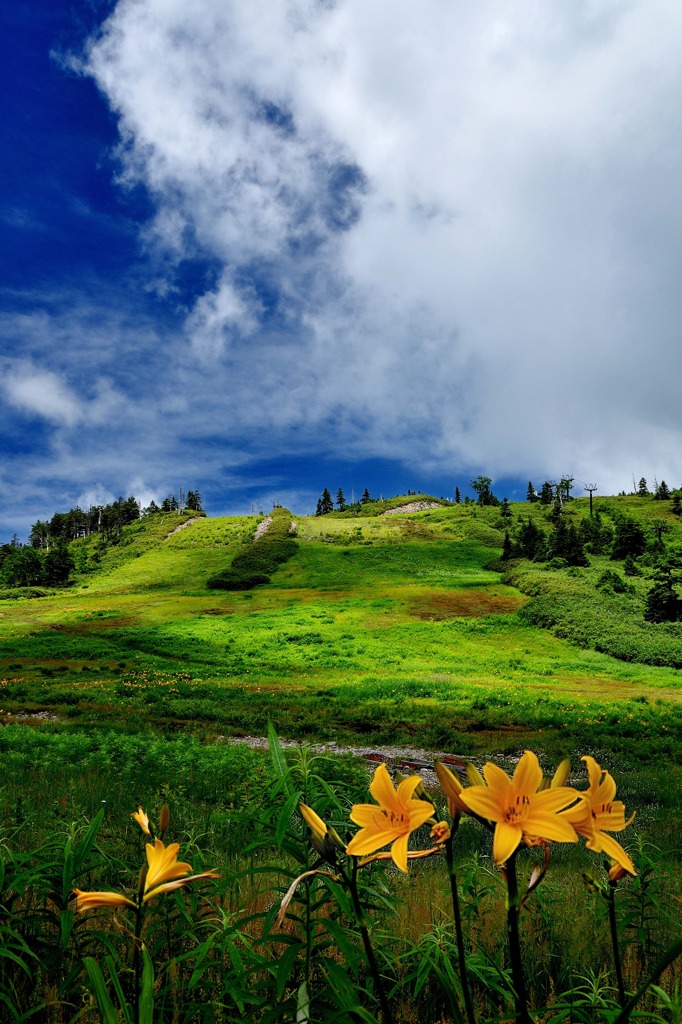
(86, 844)
(66, 926)
(302, 1004)
(668, 957)
(147, 989)
(106, 1007)
(286, 963)
(278, 759)
(285, 815)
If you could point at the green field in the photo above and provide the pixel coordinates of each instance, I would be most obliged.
(119, 690)
(379, 630)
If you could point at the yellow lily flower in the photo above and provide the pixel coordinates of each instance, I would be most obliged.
(90, 900)
(313, 820)
(440, 832)
(165, 870)
(142, 820)
(452, 788)
(164, 873)
(519, 811)
(392, 821)
(598, 813)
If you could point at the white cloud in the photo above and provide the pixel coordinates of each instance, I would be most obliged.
(447, 233)
(42, 393)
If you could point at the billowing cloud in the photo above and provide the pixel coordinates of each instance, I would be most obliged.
(445, 233)
(450, 230)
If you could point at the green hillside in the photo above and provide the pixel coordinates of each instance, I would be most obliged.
(433, 630)
(381, 628)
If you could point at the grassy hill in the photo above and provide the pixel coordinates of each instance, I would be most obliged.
(381, 628)
(409, 629)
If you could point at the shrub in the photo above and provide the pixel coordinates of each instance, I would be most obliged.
(254, 566)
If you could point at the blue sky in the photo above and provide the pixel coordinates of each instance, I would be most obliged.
(259, 249)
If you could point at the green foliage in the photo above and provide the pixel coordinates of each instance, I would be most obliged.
(629, 539)
(611, 582)
(662, 601)
(255, 565)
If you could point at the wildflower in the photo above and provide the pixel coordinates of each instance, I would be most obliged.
(598, 813)
(312, 819)
(142, 820)
(440, 832)
(452, 788)
(165, 871)
(520, 812)
(391, 819)
(90, 900)
(326, 840)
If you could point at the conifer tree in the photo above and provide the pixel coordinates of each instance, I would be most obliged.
(505, 511)
(531, 493)
(662, 602)
(340, 499)
(365, 497)
(325, 503)
(458, 496)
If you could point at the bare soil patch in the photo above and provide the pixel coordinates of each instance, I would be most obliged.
(412, 506)
(472, 602)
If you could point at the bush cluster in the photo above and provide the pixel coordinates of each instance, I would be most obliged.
(256, 564)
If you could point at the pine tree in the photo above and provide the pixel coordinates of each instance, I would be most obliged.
(325, 504)
(340, 500)
(629, 539)
(458, 496)
(531, 493)
(676, 507)
(365, 497)
(662, 602)
(662, 492)
(546, 494)
(507, 548)
(505, 511)
(642, 489)
(530, 538)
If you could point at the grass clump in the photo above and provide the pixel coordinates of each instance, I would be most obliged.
(255, 566)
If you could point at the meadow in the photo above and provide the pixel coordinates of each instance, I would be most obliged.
(120, 690)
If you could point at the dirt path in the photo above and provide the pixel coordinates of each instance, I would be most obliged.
(262, 528)
(413, 506)
(408, 760)
(183, 526)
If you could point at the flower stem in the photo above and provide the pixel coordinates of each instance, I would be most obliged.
(136, 961)
(513, 909)
(614, 942)
(369, 952)
(459, 934)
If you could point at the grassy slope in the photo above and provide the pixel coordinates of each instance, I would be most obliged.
(387, 629)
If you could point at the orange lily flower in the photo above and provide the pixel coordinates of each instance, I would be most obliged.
(142, 820)
(598, 813)
(391, 819)
(166, 871)
(90, 900)
(521, 814)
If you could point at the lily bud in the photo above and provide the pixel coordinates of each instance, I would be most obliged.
(164, 819)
